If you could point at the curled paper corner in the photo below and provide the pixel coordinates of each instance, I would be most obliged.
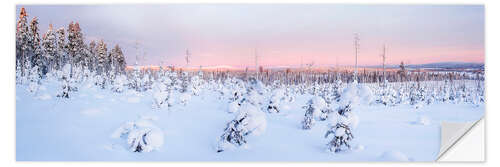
(451, 133)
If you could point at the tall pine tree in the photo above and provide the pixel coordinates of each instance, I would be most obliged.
(22, 38)
(36, 58)
(62, 52)
(49, 49)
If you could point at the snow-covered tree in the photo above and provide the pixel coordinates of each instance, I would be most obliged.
(92, 51)
(340, 127)
(119, 83)
(49, 48)
(76, 46)
(61, 56)
(185, 82)
(34, 79)
(36, 58)
(276, 101)
(22, 41)
(387, 95)
(249, 120)
(162, 95)
(141, 135)
(314, 108)
(20, 79)
(337, 89)
(65, 87)
(118, 59)
(417, 94)
(102, 57)
(195, 85)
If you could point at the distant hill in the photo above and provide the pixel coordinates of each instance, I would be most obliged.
(442, 65)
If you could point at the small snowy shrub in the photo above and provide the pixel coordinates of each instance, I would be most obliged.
(250, 120)
(417, 96)
(196, 85)
(34, 79)
(314, 108)
(387, 95)
(277, 98)
(119, 84)
(66, 87)
(236, 95)
(141, 135)
(340, 127)
(161, 96)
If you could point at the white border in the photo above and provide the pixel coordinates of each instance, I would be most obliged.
(7, 101)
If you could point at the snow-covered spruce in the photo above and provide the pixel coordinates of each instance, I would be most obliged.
(314, 108)
(249, 121)
(65, 86)
(162, 95)
(340, 127)
(236, 94)
(387, 95)
(417, 94)
(141, 135)
(276, 101)
(34, 79)
(119, 83)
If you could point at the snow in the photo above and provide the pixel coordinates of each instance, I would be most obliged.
(423, 120)
(91, 111)
(340, 132)
(133, 100)
(233, 107)
(141, 135)
(257, 119)
(356, 94)
(44, 96)
(79, 129)
(351, 119)
(318, 104)
(184, 98)
(394, 156)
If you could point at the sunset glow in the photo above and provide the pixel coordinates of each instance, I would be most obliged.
(283, 34)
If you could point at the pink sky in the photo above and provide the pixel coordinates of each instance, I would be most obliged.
(227, 34)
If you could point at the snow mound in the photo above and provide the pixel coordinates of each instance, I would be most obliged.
(365, 94)
(133, 99)
(98, 96)
(394, 156)
(356, 94)
(91, 111)
(257, 123)
(319, 104)
(142, 135)
(359, 148)
(45, 96)
(423, 120)
(41, 87)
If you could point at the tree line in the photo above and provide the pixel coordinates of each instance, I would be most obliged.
(56, 48)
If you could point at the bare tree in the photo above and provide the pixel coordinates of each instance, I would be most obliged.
(356, 51)
(383, 61)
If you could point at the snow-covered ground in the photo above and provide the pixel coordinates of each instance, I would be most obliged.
(81, 129)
